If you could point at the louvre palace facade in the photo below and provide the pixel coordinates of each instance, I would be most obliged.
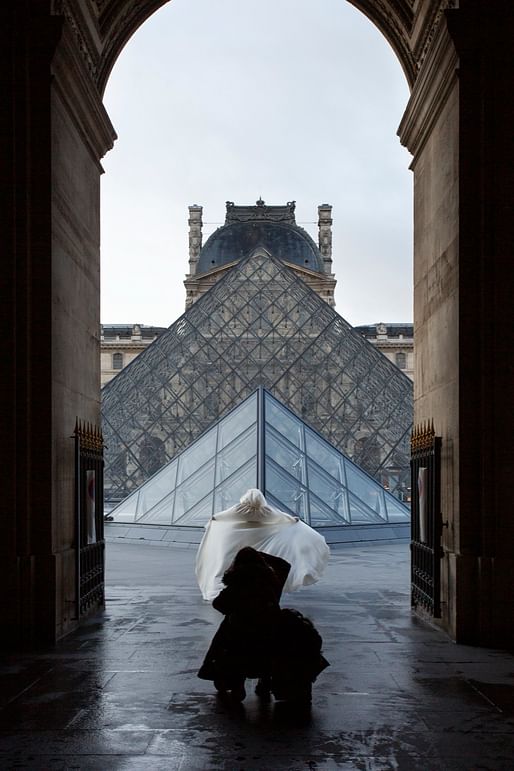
(259, 314)
(121, 343)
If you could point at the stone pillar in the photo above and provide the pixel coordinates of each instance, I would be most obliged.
(458, 126)
(195, 237)
(55, 132)
(325, 235)
(483, 558)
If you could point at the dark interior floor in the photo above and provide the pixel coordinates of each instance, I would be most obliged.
(122, 692)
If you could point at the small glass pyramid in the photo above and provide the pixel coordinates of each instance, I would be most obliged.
(259, 325)
(261, 443)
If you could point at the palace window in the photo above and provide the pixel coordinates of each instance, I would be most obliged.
(401, 360)
(117, 361)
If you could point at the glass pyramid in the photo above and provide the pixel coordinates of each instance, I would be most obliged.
(259, 325)
(261, 444)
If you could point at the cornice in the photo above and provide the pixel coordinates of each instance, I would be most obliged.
(83, 24)
(198, 277)
(72, 81)
(426, 26)
(409, 343)
(325, 278)
(433, 85)
(130, 345)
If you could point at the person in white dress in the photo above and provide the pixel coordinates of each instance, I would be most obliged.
(253, 522)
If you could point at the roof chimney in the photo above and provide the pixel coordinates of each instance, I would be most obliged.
(325, 235)
(195, 236)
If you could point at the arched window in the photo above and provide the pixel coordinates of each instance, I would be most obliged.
(117, 361)
(401, 360)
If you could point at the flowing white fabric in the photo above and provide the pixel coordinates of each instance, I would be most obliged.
(252, 522)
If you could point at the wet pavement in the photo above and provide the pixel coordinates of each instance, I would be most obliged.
(122, 692)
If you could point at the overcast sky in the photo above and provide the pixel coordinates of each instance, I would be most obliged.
(217, 100)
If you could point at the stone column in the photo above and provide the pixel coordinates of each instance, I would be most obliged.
(483, 557)
(458, 127)
(325, 235)
(56, 130)
(195, 237)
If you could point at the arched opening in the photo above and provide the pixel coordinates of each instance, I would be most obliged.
(420, 41)
(56, 131)
(321, 117)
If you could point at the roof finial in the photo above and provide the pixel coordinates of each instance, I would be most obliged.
(260, 202)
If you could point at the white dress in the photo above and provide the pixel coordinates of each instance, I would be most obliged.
(265, 529)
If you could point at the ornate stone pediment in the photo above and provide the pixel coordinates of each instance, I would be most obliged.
(260, 212)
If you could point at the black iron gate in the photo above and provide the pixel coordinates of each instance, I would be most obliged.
(89, 484)
(426, 519)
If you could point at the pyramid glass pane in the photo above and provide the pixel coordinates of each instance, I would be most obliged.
(323, 516)
(199, 514)
(360, 514)
(231, 490)
(284, 422)
(286, 455)
(289, 492)
(395, 510)
(193, 489)
(326, 457)
(239, 419)
(161, 513)
(196, 456)
(259, 325)
(126, 511)
(235, 454)
(327, 489)
(358, 485)
(163, 482)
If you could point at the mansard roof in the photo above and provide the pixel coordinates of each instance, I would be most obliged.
(273, 228)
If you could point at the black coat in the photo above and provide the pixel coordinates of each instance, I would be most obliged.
(257, 638)
(243, 644)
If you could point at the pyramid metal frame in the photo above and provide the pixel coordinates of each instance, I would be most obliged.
(259, 325)
(261, 442)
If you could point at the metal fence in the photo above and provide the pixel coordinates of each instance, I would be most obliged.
(426, 519)
(90, 555)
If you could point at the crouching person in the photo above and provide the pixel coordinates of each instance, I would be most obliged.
(258, 639)
(245, 643)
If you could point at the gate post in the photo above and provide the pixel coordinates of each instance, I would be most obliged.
(90, 544)
(426, 520)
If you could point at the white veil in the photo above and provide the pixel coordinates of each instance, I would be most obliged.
(253, 522)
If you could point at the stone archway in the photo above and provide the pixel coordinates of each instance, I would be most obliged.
(119, 19)
(459, 63)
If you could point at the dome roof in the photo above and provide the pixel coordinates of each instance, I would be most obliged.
(285, 241)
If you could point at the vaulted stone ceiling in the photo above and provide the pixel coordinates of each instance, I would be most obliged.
(408, 25)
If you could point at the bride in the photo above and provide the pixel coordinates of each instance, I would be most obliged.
(253, 522)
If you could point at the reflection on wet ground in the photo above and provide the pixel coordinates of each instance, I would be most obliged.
(122, 692)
